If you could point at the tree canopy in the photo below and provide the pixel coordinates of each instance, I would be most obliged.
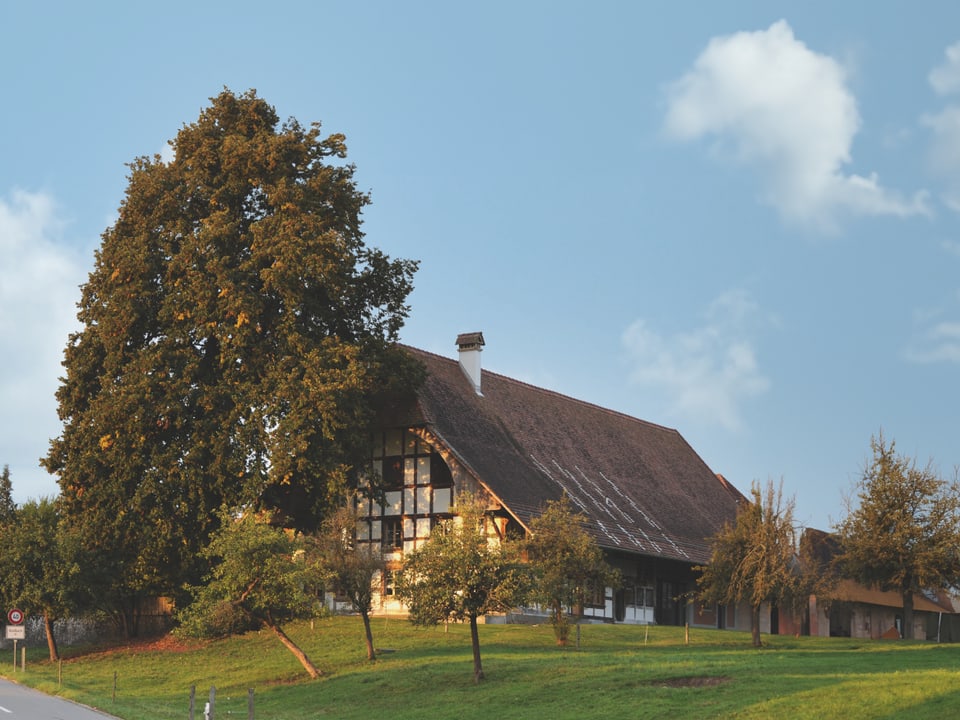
(904, 533)
(38, 566)
(237, 338)
(754, 559)
(262, 576)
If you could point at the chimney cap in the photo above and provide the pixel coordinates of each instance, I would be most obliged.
(470, 341)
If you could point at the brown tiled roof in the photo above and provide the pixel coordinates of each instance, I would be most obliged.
(851, 591)
(641, 486)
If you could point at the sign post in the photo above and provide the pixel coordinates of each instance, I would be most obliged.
(15, 631)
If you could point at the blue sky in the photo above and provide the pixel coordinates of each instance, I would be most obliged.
(735, 219)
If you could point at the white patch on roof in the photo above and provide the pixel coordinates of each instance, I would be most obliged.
(584, 492)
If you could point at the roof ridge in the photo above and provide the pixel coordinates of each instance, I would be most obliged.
(547, 391)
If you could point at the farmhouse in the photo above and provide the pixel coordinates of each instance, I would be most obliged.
(649, 499)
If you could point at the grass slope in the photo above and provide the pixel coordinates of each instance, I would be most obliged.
(619, 671)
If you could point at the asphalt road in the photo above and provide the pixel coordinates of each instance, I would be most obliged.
(23, 703)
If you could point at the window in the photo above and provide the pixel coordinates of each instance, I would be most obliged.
(595, 595)
(646, 593)
(363, 530)
(424, 526)
(392, 473)
(390, 582)
(394, 504)
(391, 536)
(442, 500)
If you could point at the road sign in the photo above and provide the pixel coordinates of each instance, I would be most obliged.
(15, 616)
(16, 632)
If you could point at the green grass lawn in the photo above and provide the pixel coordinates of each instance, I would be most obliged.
(427, 673)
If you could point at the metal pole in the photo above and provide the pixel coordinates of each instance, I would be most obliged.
(14, 654)
(23, 658)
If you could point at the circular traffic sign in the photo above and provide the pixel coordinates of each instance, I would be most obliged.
(15, 616)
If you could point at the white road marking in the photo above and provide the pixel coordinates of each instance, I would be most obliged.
(3, 709)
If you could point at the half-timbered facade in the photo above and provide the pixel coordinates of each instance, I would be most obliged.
(649, 499)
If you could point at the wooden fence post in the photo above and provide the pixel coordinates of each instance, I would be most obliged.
(193, 698)
(209, 714)
(250, 704)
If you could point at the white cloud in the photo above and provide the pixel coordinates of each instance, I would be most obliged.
(945, 79)
(785, 111)
(946, 134)
(939, 343)
(39, 289)
(707, 373)
(945, 128)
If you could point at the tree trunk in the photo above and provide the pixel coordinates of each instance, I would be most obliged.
(475, 639)
(907, 633)
(297, 652)
(128, 617)
(371, 655)
(51, 639)
(561, 625)
(755, 625)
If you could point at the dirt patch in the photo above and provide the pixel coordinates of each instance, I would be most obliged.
(691, 682)
(170, 644)
(165, 644)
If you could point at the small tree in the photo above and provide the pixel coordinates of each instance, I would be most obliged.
(352, 568)
(904, 534)
(262, 577)
(461, 573)
(38, 573)
(567, 564)
(754, 559)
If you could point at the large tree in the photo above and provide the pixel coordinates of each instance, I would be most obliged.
(237, 339)
(904, 532)
(567, 564)
(754, 559)
(461, 573)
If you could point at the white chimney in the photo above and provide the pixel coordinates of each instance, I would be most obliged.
(470, 346)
